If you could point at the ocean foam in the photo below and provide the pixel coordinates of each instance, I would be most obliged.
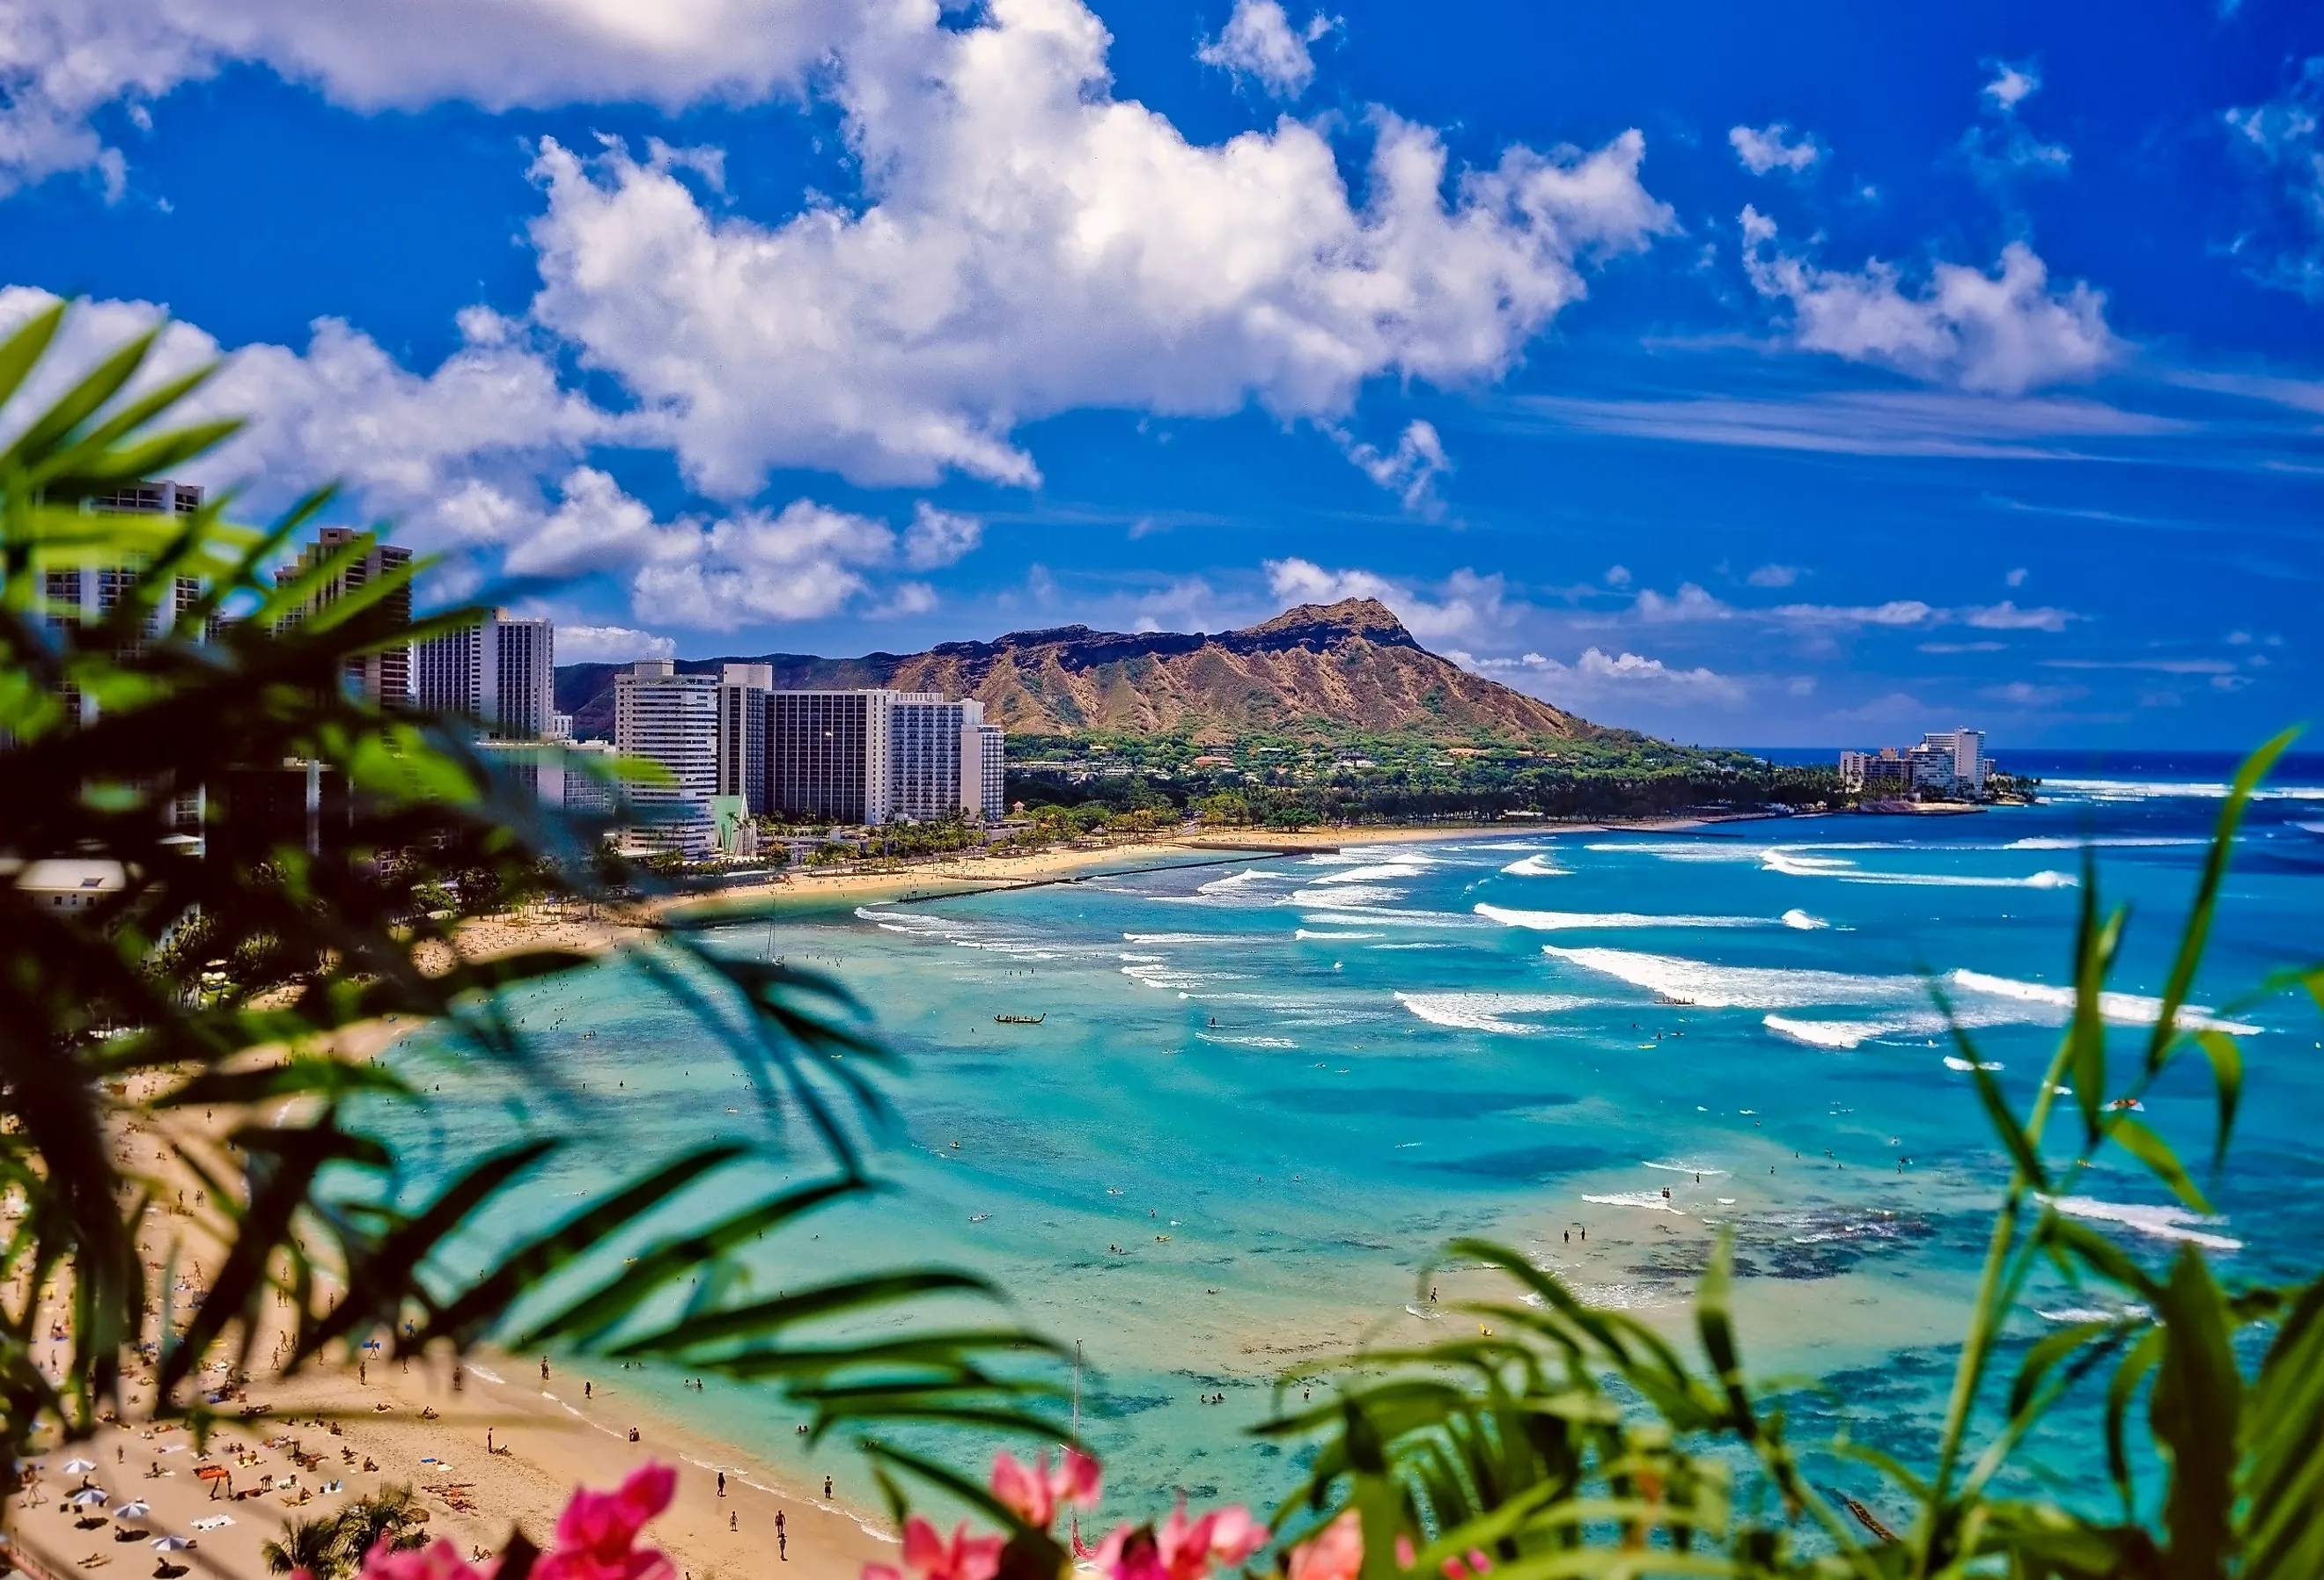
(1687, 1169)
(1954, 1061)
(1552, 922)
(1487, 1012)
(1312, 934)
(1351, 894)
(2123, 1009)
(1653, 1200)
(1830, 1034)
(1964, 879)
(2142, 790)
(1544, 866)
(1185, 939)
(2164, 1222)
(1370, 874)
(2122, 842)
(1342, 915)
(1803, 921)
(1739, 987)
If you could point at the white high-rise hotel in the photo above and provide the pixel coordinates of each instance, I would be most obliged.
(503, 674)
(844, 757)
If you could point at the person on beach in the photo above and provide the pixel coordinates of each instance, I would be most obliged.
(722, 1483)
(827, 1488)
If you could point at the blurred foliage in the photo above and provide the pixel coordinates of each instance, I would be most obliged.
(214, 985)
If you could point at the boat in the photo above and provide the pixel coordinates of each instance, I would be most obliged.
(1023, 1020)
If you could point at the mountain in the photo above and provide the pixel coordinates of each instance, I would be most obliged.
(1316, 669)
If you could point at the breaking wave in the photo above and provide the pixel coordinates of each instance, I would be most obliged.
(1488, 1012)
(1550, 921)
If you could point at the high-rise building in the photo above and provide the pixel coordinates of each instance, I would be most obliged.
(384, 676)
(993, 777)
(500, 673)
(1966, 749)
(872, 757)
(742, 690)
(91, 593)
(671, 719)
(827, 755)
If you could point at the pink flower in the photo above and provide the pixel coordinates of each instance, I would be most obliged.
(596, 1535)
(438, 1561)
(1181, 1550)
(927, 1556)
(1476, 1563)
(1335, 1553)
(1034, 1494)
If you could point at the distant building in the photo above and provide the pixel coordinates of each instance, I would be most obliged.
(588, 783)
(874, 757)
(1946, 763)
(500, 673)
(71, 885)
(827, 755)
(671, 719)
(386, 675)
(743, 691)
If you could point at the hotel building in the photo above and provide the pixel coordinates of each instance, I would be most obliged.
(501, 674)
(671, 719)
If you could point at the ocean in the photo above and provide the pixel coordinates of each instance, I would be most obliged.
(1265, 1090)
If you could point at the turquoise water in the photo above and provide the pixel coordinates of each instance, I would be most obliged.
(1267, 1090)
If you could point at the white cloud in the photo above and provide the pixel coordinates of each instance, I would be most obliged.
(1897, 612)
(1617, 575)
(63, 61)
(1030, 244)
(1774, 576)
(2011, 85)
(610, 644)
(939, 537)
(2002, 147)
(1465, 605)
(452, 456)
(1598, 677)
(2026, 694)
(2007, 615)
(1763, 149)
(2283, 139)
(1410, 470)
(2002, 332)
(2016, 578)
(1689, 602)
(1260, 45)
(800, 564)
(596, 526)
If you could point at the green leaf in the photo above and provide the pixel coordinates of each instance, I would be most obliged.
(2227, 1079)
(23, 346)
(2197, 931)
(2283, 1480)
(2152, 1150)
(2194, 1411)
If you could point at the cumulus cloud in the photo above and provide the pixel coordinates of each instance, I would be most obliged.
(1691, 603)
(1030, 244)
(610, 644)
(1598, 677)
(453, 455)
(1774, 576)
(1410, 470)
(2282, 140)
(798, 564)
(63, 61)
(2011, 85)
(1765, 149)
(1999, 334)
(1259, 45)
(939, 537)
(1463, 606)
(2007, 615)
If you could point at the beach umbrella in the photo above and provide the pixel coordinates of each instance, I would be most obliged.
(132, 1511)
(79, 1466)
(88, 1495)
(170, 1544)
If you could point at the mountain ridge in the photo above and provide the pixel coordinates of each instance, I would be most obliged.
(1315, 669)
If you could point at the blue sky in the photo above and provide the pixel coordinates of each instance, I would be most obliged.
(1790, 374)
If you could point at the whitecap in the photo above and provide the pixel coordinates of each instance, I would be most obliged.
(2164, 1222)
(2123, 1009)
(1544, 866)
(2119, 842)
(1352, 894)
(2136, 790)
(1382, 916)
(1550, 921)
(1184, 939)
(1686, 1168)
(1829, 1034)
(2045, 879)
(1369, 874)
(1954, 1061)
(1310, 933)
(1249, 1041)
(1488, 1012)
(1745, 987)
(1802, 920)
(1652, 1200)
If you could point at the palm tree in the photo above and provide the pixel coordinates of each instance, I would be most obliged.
(312, 1545)
(393, 1515)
